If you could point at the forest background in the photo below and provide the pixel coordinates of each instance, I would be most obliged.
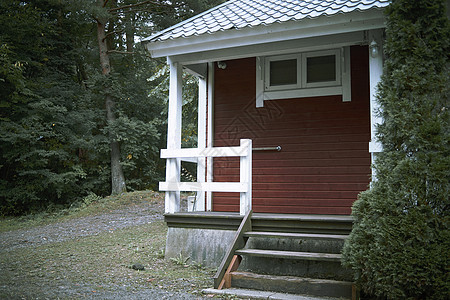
(83, 107)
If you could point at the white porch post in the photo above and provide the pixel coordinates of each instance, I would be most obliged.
(375, 72)
(173, 165)
(209, 174)
(246, 176)
(201, 141)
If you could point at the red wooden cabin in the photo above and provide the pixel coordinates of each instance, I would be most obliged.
(287, 117)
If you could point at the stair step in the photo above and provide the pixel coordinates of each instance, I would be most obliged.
(290, 254)
(295, 235)
(292, 284)
(264, 295)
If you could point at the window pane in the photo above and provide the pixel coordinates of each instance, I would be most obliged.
(283, 72)
(321, 68)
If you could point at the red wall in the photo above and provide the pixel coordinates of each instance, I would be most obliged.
(324, 162)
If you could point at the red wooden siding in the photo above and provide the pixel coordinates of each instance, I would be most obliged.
(324, 162)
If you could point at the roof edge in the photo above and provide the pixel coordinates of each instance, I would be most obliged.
(153, 36)
(359, 21)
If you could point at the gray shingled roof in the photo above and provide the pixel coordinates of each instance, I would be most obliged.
(238, 14)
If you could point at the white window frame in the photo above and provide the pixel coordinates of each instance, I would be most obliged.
(305, 56)
(341, 86)
(268, 60)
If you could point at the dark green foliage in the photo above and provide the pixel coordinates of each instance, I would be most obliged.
(54, 137)
(46, 115)
(399, 247)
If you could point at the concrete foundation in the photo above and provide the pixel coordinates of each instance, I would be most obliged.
(205, 246)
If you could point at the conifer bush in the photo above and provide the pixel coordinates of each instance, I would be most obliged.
(399, 246)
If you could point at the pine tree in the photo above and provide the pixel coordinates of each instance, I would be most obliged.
(46, 117)
(400, 240)
(55, 139)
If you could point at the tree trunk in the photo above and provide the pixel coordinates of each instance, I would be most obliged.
(117, 178)
(129, 32)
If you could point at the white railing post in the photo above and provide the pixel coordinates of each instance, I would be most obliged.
(173, 165)
(210, 133)
(201, 142)
(246, 176)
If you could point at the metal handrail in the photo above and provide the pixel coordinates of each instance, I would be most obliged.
(277, 148)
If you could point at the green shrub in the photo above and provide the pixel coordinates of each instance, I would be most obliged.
(399, 246)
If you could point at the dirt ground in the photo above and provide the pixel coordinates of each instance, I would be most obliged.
(92, 256)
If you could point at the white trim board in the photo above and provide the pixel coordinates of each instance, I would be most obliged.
(302, 93)
(206, 152)
(231, 187)
(275, 48)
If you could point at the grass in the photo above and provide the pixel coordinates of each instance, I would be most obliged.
(103, 261)
(90, 265)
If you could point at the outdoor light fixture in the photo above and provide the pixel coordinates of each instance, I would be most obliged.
(222, 65)
(373, 49)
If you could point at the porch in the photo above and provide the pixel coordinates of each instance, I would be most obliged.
(292, 223)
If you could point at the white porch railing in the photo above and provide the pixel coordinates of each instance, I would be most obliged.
(244, 186)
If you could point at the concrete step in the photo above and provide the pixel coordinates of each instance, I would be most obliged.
(254, 294)
(290, 241)
(292, 285)
(302, 236)
(291, 255)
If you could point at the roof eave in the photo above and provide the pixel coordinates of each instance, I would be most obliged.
(158, 34)
(324, 25)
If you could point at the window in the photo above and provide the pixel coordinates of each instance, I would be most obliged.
(307, 74)
(321, 68)
(282, 72)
